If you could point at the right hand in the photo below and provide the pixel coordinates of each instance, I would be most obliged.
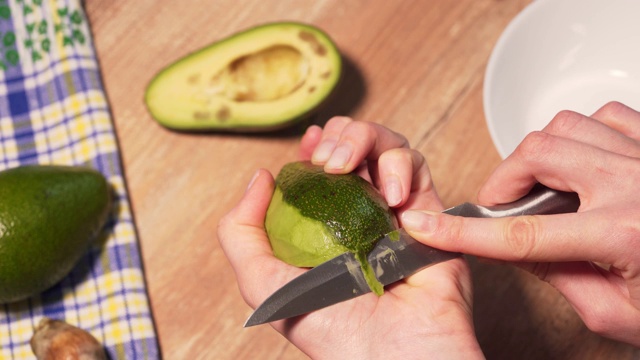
(593, 256)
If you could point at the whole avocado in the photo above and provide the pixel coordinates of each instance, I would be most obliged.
(314, 216)
(48, 216)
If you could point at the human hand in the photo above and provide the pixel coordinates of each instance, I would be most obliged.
(593, 256)
(426, 313)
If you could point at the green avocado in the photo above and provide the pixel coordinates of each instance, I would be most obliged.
(261, 79)
(315, 216)
(48, 216)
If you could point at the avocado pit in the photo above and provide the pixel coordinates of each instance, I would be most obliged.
(267, 75)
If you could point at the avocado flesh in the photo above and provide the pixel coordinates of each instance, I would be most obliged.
(48, 215)
(299, 240)
(314, 216)
(261, 79)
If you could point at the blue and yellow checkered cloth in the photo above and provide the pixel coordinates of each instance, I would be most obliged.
(53, 110)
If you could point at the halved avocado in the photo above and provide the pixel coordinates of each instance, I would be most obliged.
(261, 79)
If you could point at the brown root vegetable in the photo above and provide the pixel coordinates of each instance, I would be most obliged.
(57, 340)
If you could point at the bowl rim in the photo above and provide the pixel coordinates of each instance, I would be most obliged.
(491, 67)
(503, 138)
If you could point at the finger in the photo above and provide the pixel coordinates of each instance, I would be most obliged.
(621, 118)
(405, 176)
(309, 141)
(598, 296)
(543, 238)
(244, 241)
(452, 279)
(360, 140)
(314, 136)
(329, 139)
(557, 162)
(575, 126)
(567, 276)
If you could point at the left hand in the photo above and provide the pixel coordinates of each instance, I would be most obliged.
(426, 313)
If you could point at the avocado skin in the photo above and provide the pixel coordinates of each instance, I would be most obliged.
(349, 206)
(48, 215)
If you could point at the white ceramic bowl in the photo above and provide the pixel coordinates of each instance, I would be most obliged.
(561, 54)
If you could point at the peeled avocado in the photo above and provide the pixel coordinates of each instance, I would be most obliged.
(48, 216)
(315, 216)
(263, 78)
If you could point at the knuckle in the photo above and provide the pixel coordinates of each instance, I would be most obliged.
(390, 137)
(629, 232)
(340, 119)
(613, 108)
(536, 145)
(228, 224)
(520, 236)
(564, 122)
(399, 156)
(393, 157)
(609, 321)
(402, 141)
(220, 236)
(420, 165)
(337, 122)
(599, 319)
(454, 227)
(447, 228)
(223, 225)
(422, 173)
(359, 126)
(634, 170)
(360, 129)
(632, 231)
(223, 222)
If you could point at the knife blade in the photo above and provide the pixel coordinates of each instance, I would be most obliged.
(395, 256)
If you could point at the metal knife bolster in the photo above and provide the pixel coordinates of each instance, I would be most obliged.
(398, 255)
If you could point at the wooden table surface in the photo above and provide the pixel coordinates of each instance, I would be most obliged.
(414, 66)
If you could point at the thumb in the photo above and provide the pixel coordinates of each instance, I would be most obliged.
(246, 219)
(251, 209)
(243, 239)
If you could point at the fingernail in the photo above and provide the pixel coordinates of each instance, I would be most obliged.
(393, 190)
(253, 180)
(323, 151)
(419, 221)
(340, 157)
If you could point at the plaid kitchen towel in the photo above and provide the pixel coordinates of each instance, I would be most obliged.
(53, 110)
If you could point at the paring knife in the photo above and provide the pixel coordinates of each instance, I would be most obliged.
(395, 256)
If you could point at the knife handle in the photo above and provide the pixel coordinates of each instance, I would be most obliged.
(541, 200)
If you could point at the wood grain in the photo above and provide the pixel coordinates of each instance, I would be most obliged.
(414, 66)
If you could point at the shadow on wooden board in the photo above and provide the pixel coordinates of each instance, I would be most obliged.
(518, 316)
